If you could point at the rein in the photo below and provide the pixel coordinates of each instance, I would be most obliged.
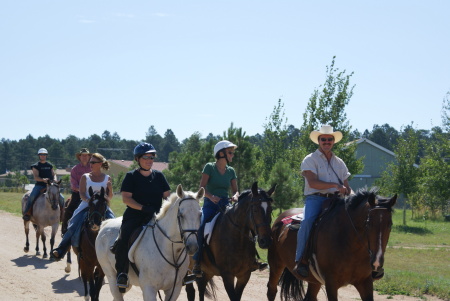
(53, 198)
(252, 219)
(182, 241)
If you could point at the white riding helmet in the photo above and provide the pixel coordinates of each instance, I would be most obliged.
(223, 144)
(42, 151)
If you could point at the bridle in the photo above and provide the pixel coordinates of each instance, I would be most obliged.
(52, 197)
(91, 215)
(366, 227)
(181, 241)
(253, 202)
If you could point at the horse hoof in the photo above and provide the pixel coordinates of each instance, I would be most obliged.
(38, 253)
(45, 256)
(26, 249)
(67, 269)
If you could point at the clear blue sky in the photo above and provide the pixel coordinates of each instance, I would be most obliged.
(82, 67)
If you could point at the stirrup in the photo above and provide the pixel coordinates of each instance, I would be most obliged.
(122, 281)
(197, 271)
(189, 278)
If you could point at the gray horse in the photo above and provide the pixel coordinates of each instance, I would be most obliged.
(46, 212)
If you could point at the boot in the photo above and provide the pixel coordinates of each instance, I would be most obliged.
(302, 269)
(197, 271)
(122, 282)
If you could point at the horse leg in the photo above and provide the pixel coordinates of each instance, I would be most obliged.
(68, 268)
(116, 294)
(312, 292)
(276, 269)
(38, 235)
(332, 291)
(365, 289)
(149, 293)
(228, 282)
(44, 246)
(99, 277)
(190, 292)
(240, 285)
(201, 286)
(26, 225)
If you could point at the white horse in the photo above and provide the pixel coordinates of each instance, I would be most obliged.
(46, 213)
(160, 252)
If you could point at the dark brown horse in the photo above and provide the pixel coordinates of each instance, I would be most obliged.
(346, 247)
(231, 252)
(89, 268)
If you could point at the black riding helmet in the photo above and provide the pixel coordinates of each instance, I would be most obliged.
(142, 149)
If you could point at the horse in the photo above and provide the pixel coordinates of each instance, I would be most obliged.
(231, 252)
(46, 212)
(346, 247)
(89, 268)
(161, 250)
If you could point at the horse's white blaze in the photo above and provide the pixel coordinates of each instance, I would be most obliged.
(264, 205)
(376, 263)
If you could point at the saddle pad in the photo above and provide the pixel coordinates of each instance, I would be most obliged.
(293, 219)
(209, 227)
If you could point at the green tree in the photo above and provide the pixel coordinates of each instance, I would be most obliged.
(169, 144)
(446, 112)
(327, 106)
(244, 161)
(288, 191)
(185, 166)
(402, 176)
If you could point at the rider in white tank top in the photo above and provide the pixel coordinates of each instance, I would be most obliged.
(96, 187)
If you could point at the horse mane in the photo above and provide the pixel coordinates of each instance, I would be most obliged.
(170, 201)
(361, 196)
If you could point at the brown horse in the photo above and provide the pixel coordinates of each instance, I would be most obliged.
(231, 252)
(347, 246)
(90, 270)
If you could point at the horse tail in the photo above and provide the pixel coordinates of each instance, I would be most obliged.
(210, 290)
(291, 287)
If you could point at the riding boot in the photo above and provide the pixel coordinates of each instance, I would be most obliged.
(258, 265)
(302, 268)
(27, 215)
(122, 282)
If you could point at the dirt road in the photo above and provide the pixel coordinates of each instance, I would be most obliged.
(27, 277)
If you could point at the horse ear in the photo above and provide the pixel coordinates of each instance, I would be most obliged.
(393, 200)
(102, 191)
(59, 182)
(180, 192)
(49, 182)
(91, 192)
(255, 188)
(371, 199)
(200, 193)
(271, 190)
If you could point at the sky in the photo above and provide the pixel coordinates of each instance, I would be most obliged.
(83, 67)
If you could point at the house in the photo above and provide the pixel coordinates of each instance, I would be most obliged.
(118, 166)
(376, 159)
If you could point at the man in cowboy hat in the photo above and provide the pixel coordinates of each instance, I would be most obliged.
(325, 176)
(75, 175)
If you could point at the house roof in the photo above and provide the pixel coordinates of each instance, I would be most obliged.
(361, 140)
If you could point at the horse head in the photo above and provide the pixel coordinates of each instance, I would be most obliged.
(52, 194)
(189, 215)
(379, 224)
(97, 208)
(261, 214)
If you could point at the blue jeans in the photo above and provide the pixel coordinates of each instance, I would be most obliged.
(73, 234)
(209, 210)
(35, 193)
(313, 206)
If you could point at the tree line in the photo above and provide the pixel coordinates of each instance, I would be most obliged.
(274, 156)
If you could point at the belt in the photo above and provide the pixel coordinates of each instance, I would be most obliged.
(325, 195)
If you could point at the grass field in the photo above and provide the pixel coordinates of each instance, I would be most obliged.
(417, 260)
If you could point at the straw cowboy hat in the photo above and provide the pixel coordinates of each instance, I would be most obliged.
(325, 130)
(82, 151)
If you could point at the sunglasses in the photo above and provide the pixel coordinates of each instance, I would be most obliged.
(230, 153)
(326, 139)
(42, 154)
(93, 162)
(148, 157)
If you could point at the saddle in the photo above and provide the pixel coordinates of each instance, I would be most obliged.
(41, 192)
